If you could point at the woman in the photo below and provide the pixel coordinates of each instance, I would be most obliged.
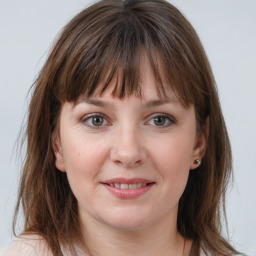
(127, 149)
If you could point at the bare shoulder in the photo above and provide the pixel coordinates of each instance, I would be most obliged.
(27, 245)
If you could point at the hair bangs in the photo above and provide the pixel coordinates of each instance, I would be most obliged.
(114, 59)
(114, 55)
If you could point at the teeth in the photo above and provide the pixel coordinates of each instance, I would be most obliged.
(128, 186)
(124, 186)
(132, 186)
(139, 185)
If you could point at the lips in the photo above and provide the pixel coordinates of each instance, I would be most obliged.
(128, 188)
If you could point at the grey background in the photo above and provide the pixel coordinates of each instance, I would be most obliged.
(227, 29)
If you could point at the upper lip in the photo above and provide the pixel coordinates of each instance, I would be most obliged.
(127, 181)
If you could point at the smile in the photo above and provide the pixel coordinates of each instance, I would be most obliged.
(128, 186)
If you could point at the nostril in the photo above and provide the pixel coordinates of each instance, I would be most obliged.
(127, 156)
(138, 162)
(127, 164)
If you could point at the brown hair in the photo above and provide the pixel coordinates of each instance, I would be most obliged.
(101, 41)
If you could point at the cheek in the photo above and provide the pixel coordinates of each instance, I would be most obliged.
(175, 152)
(83, 159)
(83, 152)
(172, 159)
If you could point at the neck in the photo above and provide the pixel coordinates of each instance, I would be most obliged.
(159, 239)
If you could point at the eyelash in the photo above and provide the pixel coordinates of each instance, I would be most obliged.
(86, 119)
(167, 118)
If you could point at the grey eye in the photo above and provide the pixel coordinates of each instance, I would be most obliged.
(97, 120)
(159, 121)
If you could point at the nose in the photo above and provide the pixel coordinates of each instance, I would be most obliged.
(128, 149)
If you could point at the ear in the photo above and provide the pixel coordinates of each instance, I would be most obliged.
(200, 145)
(56, 144)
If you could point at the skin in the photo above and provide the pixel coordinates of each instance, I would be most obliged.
(129, 142)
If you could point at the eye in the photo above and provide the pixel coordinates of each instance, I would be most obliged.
(95, 121)
(161, 120)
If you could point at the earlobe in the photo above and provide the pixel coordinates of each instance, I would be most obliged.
(59, 160)
(200, 146)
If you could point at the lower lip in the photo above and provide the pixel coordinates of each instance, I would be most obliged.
(128, 193)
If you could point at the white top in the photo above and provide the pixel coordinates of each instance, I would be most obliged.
(30, 245)
(33, 246)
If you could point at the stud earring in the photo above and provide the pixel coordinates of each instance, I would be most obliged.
(197, 161)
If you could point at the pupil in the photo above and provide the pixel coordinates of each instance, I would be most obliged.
(159, 121)
(97, 121)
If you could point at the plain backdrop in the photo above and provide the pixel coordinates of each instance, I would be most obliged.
(227, 29)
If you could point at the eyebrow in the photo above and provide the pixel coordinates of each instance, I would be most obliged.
(99, 103)
(155, 103)
(151, 103)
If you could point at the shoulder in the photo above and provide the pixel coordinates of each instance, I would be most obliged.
(27, 245)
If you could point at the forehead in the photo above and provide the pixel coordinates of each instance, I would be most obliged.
(150, 86)
(148, 77)
(148, 95)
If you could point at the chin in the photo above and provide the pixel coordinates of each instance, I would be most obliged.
(127, 222)
(129, 227)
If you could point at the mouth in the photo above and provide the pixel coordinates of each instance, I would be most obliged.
(128, 188)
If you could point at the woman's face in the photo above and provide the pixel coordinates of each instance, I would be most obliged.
(128, 160)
